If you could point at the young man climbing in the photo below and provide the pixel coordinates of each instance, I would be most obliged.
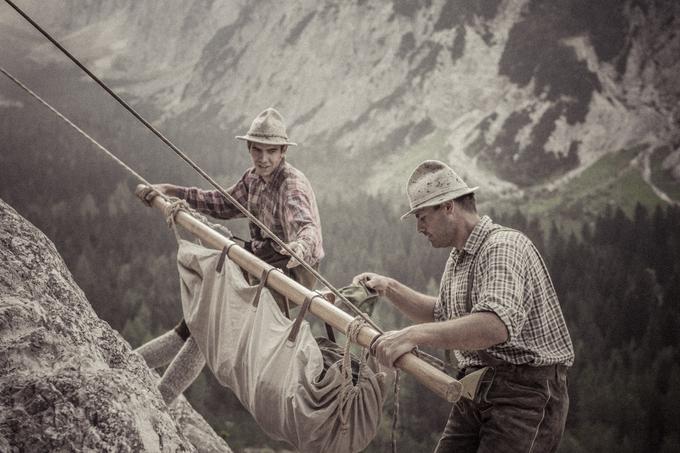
(281, 197)
(497, 308)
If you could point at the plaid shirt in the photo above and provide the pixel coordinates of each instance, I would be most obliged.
(286, 205)
(511, 281)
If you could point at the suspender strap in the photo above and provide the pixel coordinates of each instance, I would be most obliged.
(471, 272)
(486, 357)
(263, 281)
(300, 316)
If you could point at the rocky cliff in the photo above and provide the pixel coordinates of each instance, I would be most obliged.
(68, 382)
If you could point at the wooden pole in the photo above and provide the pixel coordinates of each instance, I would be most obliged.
(439, 382)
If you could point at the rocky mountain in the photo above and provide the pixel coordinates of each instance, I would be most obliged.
(563, 108)
(523, 96)
(68, 382)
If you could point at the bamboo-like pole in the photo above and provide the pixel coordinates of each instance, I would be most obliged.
(439, 382)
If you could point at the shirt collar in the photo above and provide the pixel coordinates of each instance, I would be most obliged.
(279, 172)
(276, 176)
(479, 232)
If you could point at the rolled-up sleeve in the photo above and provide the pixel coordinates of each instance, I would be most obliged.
(501, 285)
(438, 313)
(439, 310)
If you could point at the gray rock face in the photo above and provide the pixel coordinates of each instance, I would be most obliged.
(68, 382)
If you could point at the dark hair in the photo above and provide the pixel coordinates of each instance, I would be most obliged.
(249, 144)
(467, 202)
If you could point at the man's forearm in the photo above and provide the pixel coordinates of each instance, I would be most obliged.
(475, 331)
(472, 332)
(417, 306)
(170, 190)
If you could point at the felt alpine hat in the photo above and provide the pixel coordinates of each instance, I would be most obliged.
(433, 182)
(268, 128)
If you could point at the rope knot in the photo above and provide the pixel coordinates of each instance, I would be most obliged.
(173, 208)
(176, 205)
(354, 327)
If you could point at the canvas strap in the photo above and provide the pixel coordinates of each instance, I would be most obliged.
(300, 316)
(223, 256)
(263, 281)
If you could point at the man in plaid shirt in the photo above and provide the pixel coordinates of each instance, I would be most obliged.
(497, 309)
(277, 194)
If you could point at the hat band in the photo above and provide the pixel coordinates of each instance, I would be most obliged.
(252, 134)
(438, 194)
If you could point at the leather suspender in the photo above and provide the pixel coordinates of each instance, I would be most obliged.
(485, 356)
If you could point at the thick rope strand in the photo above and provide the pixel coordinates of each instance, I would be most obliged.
(105, 150)
(79, 130)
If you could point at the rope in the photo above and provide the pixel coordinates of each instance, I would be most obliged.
(353, 329)
(170, 212)
(348, 390)
(102, 148)
(176, 205)
(395, 411)
(200, 171)
(79, 130)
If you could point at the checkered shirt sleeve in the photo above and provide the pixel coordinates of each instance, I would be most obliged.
(511, 280)
(213, 203)
(301, 220)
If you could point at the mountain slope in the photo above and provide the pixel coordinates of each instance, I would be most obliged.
(518, 95)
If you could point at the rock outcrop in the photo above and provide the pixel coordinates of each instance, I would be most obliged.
(68, 381)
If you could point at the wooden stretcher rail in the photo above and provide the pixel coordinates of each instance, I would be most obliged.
(439, 382)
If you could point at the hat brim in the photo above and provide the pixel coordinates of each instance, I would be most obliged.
(265, 141)
(434, 201)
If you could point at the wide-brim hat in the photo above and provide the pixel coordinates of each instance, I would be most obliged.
(432, 183)
(268, 128)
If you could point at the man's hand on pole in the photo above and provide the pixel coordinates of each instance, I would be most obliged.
(392, 345)
(146, 194)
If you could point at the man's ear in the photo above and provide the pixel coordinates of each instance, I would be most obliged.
(448, 206)
(284, 148)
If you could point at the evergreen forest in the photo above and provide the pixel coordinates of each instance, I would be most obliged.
(618, 280)
(617, 275)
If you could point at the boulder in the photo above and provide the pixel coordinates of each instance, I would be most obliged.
(68, 381)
